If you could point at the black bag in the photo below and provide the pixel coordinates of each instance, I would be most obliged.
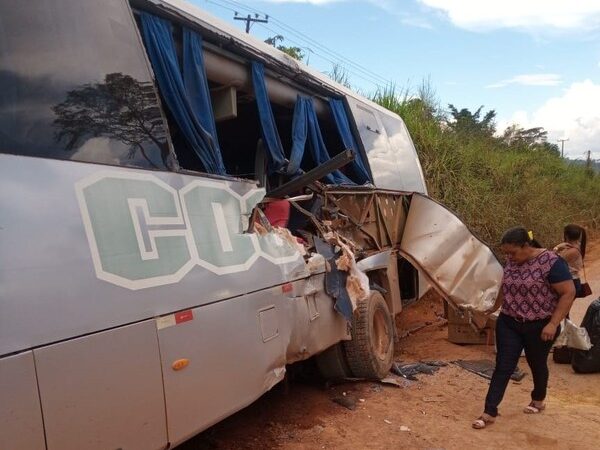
(562, 355)
(588, 361)
(585, 290)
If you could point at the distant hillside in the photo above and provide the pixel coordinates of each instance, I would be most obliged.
(595, 164)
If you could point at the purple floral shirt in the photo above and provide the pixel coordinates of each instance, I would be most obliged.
(528, 294)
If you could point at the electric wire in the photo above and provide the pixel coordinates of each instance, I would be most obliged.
(309, 40)
(313, 46)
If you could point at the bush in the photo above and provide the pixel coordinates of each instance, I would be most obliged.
(491, 184)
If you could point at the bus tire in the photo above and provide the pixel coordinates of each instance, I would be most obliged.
(332, 363)
(370, 352)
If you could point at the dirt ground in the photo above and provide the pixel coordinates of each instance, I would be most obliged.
(432, 413)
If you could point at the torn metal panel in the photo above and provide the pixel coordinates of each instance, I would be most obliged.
(375, 262)
(371, 218)
(314, 324)
(461, 267)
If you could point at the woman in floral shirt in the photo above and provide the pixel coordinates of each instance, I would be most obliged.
(537, 293)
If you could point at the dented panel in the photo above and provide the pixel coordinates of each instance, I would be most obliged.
(460, 266)
(237, 349)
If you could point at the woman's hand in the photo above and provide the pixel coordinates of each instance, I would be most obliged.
(549, 332)
(497, 304)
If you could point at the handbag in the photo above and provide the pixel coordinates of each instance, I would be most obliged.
(585, 290)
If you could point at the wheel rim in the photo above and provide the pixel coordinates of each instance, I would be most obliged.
(381, 334)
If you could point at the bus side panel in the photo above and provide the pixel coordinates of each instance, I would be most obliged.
(104, 391)
(54, 284)
(21, 426)
(235, 351)
(316, 324)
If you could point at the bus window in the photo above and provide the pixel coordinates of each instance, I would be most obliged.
(406, 154)
(76, 85)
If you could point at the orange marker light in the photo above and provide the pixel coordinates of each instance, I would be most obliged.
(180, 364)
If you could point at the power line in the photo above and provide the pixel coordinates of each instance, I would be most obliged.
(348, 64)
(313, 42)
(369, 80)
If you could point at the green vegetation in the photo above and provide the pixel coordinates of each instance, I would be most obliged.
(294, 52)
(495, 182)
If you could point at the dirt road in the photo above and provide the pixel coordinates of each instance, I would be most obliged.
(435, 412)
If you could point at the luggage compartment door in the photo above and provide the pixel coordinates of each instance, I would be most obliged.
(21, 426)
(219, 358)
(104, 391)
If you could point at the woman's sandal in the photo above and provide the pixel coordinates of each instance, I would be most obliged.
(481, 422)
(533, 409)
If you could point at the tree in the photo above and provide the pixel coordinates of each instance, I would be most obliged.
(120, 108)
(294, 52)
(467, 122)
(529, 139)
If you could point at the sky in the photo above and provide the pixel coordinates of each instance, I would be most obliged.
(535, 62)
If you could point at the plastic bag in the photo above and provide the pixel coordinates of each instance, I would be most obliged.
(573, 336)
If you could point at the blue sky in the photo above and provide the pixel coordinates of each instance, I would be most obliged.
(536, 62)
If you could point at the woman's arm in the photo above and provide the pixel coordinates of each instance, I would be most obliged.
(566, 292)
(498, 303)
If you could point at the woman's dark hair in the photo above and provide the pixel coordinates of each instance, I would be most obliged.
(574, 232)
(519, 236)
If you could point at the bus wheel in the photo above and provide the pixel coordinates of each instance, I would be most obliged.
(370, 352)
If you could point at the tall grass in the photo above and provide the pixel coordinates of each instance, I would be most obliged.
(491, 185)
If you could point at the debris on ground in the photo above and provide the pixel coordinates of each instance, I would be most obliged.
(485, 368)
(433, 399)
(396, 382)
(347, 401)
(409, 370)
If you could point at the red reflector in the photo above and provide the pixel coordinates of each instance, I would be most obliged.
(184, 316)
(288, 287)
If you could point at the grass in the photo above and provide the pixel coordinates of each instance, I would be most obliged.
(491, 185)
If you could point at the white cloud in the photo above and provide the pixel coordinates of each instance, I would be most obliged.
(523, 14)
(575, 116)
(535, 79)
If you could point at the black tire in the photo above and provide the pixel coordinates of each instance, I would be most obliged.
(332, 363)
(370, 352)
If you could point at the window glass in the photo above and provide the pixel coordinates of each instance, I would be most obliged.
(406, 156)
(74, 84)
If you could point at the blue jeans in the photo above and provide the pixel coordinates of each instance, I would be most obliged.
(512, 337)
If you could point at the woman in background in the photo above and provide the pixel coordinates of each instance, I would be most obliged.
(572, 250)
(536, 294)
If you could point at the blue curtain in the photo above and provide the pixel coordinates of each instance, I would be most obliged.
(271, 139)
(161, 51)
(196, 83)
(305, 130)
(343, 125)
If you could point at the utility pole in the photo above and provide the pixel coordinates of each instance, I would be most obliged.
(250, 20)
(588, 162)
(562, 147)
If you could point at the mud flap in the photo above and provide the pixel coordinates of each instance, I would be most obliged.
(457, 264)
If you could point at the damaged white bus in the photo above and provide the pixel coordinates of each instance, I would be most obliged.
(184, 211)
